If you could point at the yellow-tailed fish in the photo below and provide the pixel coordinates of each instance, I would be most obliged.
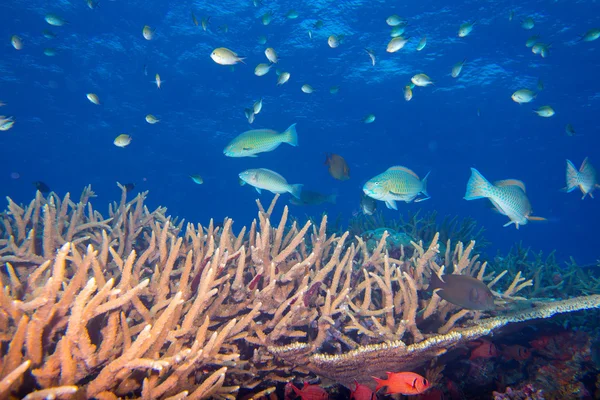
(249, 115)
(93, 98)
(157, 80)
(48, 34)
(151, 119)
(532, 40)
(262, 178)
(55, 20)
(283, 78)
(306, 88)
(334, 89)
(398, 31)
(369, 118)
(396, 184)
(204, 23)
(590, 36)
(465, 29)
(421, 80)
(394, 20)
(262, 69)
(408, 93)
(194, 19)
(50, 52)
(271, 55)
(527, 23)
(523, 96)
(224, 56)
(148, 32)
(508, 197)
(16, 42)
(422, 43)
(457, 68)
(396, 44)
(569, 130)
(92, 5)
(251, 143)
(585, 179)
(197, 179)
(544, 111)
(262, 39)
(122, 140)
(371, 54)
(257, 106)
(333, 41)
(267, 18)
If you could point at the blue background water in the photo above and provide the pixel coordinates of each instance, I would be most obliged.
(67, 142)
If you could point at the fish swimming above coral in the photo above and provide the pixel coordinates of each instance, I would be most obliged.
(337, 167)
(463, 291)
(396, 184)
(585, 178)
(253, 142)
(508, 197)
(262, 178)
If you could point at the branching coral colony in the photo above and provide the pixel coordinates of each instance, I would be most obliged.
(138, 305)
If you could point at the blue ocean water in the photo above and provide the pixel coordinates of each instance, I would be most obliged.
(62, 139)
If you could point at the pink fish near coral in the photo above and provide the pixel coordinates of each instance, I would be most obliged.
(362, 392)
(308, 392)
(407, 383)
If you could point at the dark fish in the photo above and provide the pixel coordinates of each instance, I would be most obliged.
(367, 204)
(41, 186)
(463, 291)
(338, 168)
(310, 198)
(129, 187)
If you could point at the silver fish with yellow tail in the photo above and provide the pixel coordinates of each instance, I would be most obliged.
(396, 184)
(507, 196)
(585, 178)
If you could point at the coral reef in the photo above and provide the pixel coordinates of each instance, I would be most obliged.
(139, 305)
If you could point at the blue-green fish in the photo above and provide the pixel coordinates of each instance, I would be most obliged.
(55, 20)
(507, 196)
(256, 141)
(585, 179)
(262, 178)
(396, 184)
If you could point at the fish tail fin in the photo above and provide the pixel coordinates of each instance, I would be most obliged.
(296, 190)
(572, 177)
(434, 282)
(290, 136)
(380, 383)
(477, 187)
(424, 182)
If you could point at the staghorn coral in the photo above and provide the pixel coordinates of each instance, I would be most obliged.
(138, 305)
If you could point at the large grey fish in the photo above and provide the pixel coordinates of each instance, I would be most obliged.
(462, 290)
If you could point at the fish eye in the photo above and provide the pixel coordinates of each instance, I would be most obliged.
(425, 382)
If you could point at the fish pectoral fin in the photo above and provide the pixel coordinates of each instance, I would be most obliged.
(391, 204)
(510, 223)
(258, 190)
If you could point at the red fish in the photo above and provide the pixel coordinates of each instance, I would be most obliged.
(362, 392)
(309, 392)
(516, 352)
(484, 349)
(403, 382)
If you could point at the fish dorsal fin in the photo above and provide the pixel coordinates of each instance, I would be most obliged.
(510, 182)
(404, 169)
(587, 168)
(271, 172)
